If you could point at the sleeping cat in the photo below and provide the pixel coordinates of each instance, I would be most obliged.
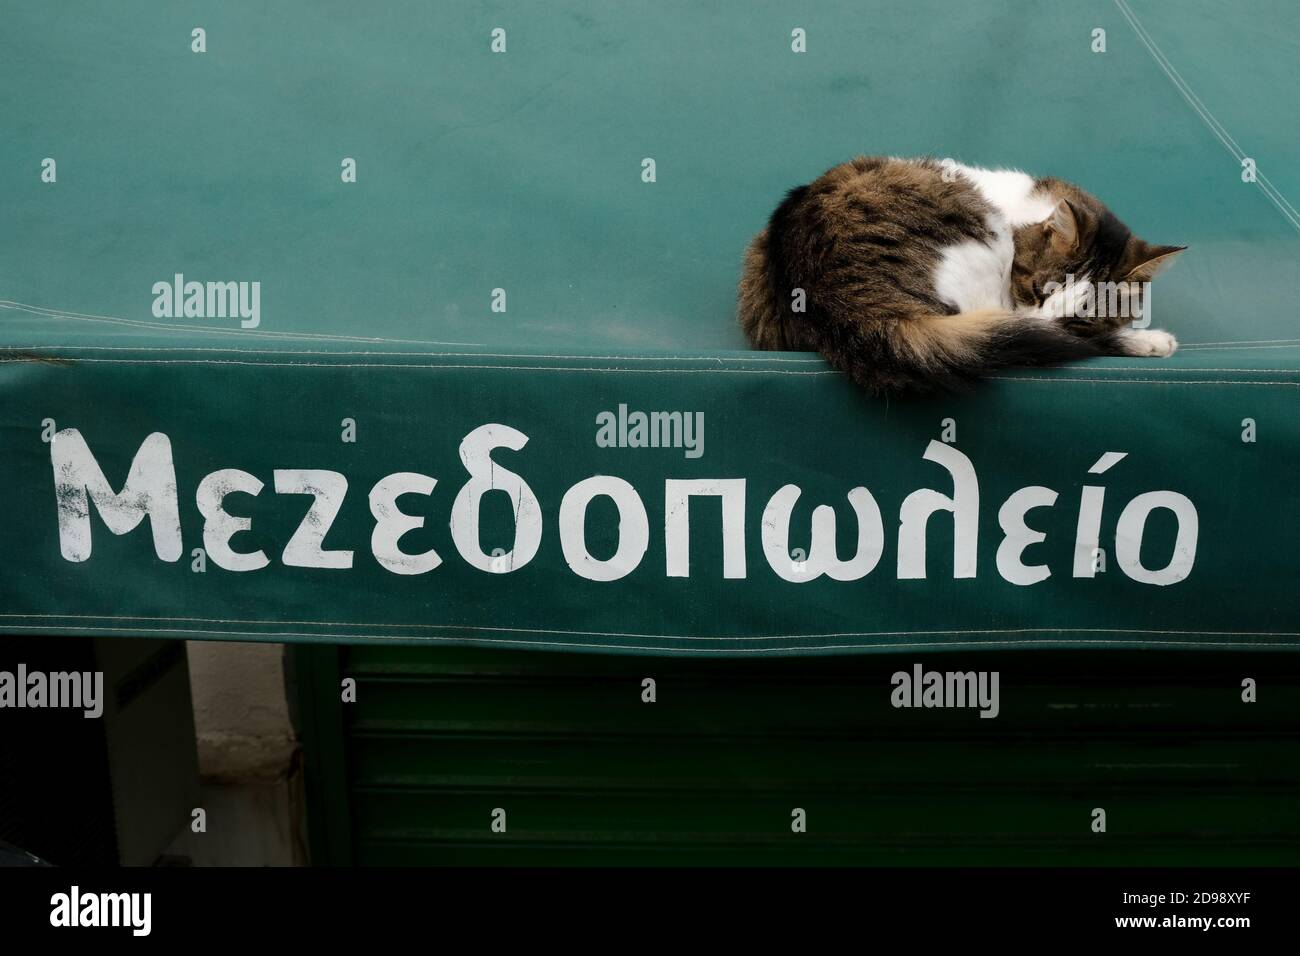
(916, 274)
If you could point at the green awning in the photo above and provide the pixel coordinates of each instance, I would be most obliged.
(492, 391)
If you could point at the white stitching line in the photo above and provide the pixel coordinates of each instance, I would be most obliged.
(1230, 348)
(633, 634)
(138, 323)
(1192, 345)
(58, 313)
(421, 365)
(746, 357)
(1204, 111)
(637, 358)
(1135, 381)
(176, 327)
(750, 357)
(676, 649)
(660, 371)
(1215, 127)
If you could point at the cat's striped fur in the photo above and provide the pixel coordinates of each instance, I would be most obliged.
(917, 274)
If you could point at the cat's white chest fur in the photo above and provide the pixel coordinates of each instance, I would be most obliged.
(977, 275)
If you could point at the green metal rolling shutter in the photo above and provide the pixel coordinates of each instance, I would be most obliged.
(587, 773)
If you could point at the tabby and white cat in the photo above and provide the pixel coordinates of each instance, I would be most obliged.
(915, 274)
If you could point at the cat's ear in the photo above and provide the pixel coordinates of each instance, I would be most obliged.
(1146, 260)
(1063, 227)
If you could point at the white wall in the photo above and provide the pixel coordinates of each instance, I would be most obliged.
(251, 783)
(241, 715)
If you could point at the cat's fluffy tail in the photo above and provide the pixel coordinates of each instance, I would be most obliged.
(924, 352)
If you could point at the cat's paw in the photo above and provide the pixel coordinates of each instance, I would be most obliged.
(1149, 343)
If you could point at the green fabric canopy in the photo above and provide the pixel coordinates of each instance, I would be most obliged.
(543, 241)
